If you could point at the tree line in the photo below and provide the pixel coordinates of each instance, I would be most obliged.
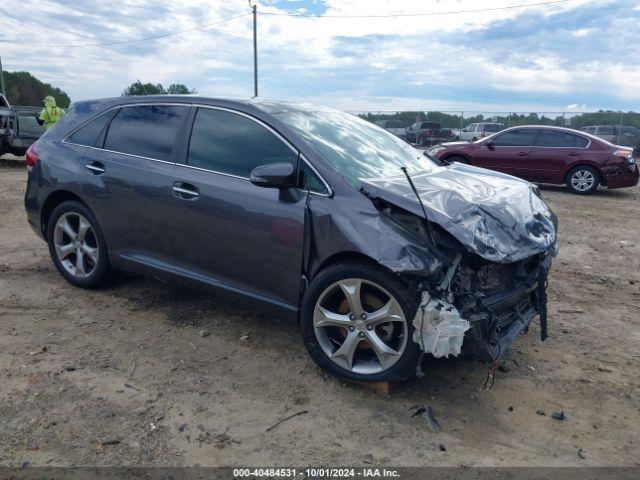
(25, 89)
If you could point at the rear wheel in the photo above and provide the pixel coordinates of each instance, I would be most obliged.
(356, 323)
(77, 246)
(583, 180)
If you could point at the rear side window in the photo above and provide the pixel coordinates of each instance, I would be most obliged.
(230, 143)
(554, 138)
(516, 138)
(147, 131)
(605, 131)
(91, 133)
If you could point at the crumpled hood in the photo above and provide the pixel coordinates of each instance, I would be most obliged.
(497, 216)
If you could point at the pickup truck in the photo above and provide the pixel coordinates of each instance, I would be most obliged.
(19, 127)
(427, 133)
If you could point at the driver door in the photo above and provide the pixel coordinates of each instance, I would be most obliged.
(229, 232)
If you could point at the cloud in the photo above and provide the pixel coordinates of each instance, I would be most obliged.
(582, 52)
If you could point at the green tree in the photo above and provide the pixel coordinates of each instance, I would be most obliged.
(138, 88)
(25, 89)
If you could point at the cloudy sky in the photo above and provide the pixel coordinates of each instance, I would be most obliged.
(572, 55)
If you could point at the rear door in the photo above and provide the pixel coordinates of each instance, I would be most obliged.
(230, 232)
(554, 151)
(128, 179)
(508, 153)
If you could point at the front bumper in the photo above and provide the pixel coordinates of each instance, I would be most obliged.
(498, 319)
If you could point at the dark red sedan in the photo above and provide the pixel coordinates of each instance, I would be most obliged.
(548, 155)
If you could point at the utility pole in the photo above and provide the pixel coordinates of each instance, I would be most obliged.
(4, 91)
(255, 50)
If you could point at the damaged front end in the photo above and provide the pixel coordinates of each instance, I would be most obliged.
(486, 304)
(495, 239)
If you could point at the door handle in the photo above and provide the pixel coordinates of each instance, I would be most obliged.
(95, 167)
(522, 154)
(574, 154)
(185, 191)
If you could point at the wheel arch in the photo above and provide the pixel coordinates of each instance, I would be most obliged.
(53, 200)
(343, 256)
(455, 154)
(350, 256)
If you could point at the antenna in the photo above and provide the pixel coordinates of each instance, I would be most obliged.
(424, 212)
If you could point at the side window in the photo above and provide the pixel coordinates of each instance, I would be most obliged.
(310, 181)
(146, 130)
(581, 142)
(230, 143)
(516, 138)
(91, 133)
(558, 139)
(605, 131)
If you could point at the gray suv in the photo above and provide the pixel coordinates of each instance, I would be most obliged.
(378, 251)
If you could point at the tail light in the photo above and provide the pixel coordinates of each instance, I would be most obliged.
(429, 133)
(31, 158)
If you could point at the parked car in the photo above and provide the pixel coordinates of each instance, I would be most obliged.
(474, 131)
(625, 135)
(19, 127)
(313, 218)
(549, 155)
(397, 127)
(428, 133)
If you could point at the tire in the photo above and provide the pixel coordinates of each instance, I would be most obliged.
(80, 234)
(583, 180)
(457, 158)
(325, 336)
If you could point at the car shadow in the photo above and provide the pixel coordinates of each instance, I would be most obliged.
(459, 378)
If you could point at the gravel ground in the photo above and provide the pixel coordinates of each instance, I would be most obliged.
(125, 376)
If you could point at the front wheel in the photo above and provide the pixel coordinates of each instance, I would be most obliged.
(77, 246)
(583, 180)
(357, 323)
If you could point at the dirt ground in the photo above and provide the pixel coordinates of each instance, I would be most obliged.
(122, 375)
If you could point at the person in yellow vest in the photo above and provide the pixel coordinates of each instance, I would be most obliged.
(51, 113)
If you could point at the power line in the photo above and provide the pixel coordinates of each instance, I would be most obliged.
(427, 14)
(123, 42)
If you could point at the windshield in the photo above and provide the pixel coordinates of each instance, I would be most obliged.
(355, 148)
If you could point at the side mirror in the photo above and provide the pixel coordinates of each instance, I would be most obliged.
(490, 145)
(275, 175)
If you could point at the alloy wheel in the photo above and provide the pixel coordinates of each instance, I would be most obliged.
(360, 326)
(583, 180)
(75, 244)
